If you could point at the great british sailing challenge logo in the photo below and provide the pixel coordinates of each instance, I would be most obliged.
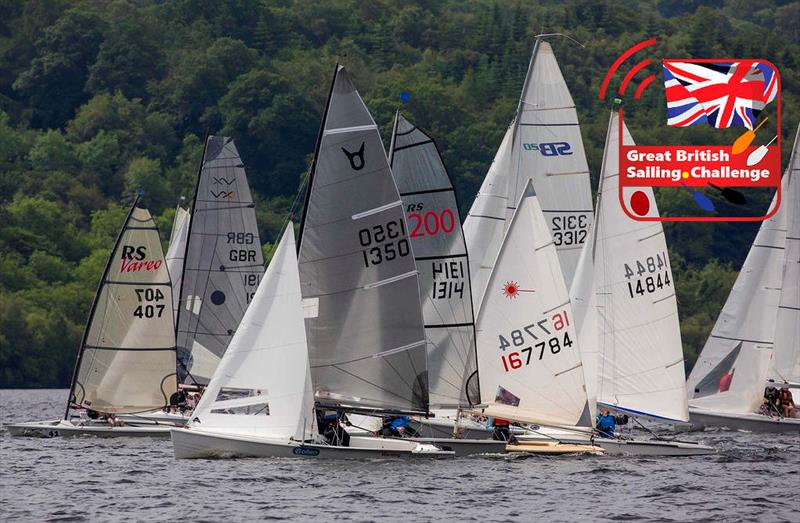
(720, 93)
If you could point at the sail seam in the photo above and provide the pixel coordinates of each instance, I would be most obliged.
(651, 236)
(487, 217)
(556, 307)
(769, 247)
(376, 210)
(664, 298)
(385, 353)
(143, 349)
(141, 284)
(448, 325)
(390, 280)
(578, 366)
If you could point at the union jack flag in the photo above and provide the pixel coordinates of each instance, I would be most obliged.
(721, 94)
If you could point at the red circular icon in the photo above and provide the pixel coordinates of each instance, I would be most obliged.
(640, 203)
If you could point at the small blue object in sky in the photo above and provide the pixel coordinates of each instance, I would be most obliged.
(405, 96)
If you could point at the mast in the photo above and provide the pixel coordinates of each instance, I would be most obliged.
(314, 160)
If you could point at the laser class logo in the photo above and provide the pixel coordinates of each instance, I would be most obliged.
(721, 93)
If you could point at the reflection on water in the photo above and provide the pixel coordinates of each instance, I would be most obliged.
(125, 479)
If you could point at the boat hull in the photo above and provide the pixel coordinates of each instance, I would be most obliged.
(157, 416)
(700, 419)
(193, 444)
(64, 429)
(466, 447)
(553, 448)
(632, 447)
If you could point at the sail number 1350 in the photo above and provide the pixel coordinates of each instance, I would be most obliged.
(383, 242)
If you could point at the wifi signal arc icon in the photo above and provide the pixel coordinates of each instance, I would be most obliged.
(630, 75)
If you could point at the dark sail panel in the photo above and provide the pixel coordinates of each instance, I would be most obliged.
(223, 264)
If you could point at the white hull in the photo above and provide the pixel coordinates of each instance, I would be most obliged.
(701, 419)
(194, 443)
(60, 428)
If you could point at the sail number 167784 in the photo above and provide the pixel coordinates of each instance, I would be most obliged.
(546, 336)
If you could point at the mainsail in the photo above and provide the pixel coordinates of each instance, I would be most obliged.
(262, 386)
(357, 273)
(761, 310)
(640, 365)
(176, 252)
(786, 364)
(530, 366)
(223, 263)
(431, 209)
(126, 361)
(543, 144)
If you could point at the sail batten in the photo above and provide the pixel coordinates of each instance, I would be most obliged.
(358, 277)
(223, 263)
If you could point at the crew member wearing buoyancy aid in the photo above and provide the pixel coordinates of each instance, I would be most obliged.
(502, 430)
(787, 402)
(606, 424)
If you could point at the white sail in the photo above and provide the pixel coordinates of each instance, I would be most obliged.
(545, 146)
(730, 373)
(176, 253)
(485, 224)
(357, 272)
(530, 366)
(584, 308)
(262, 386)
(787, 330)
(640, 366)
(127, 358)
(429, 201)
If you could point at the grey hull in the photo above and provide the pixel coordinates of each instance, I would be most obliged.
(189, 444)
(62, 429)
(443, 428)
(701, 419)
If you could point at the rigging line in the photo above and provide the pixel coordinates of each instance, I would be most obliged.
(391, 393)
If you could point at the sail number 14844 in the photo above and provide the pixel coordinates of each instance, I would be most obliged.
(648, 275)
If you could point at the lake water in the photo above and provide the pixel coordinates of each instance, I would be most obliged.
(754, 477)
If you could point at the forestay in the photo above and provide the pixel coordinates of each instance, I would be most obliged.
(530, 366)
(640, 365)
(545, 146)
(262, 386)
(223, 264)
(431, 209)
(357, 273)
(127, 359)
(176, 253)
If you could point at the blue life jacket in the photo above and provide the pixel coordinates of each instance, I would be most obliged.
(606, 425)
(400, 422)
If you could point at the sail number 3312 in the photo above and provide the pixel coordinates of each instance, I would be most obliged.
(548, 335)
(383, 242)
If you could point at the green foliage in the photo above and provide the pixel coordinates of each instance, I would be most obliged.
(101, 99)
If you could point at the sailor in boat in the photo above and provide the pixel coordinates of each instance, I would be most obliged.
(787, 402)
(606, 425)
(330, 426)
(177, 401)
(771, 405)
(399, 427)
(501, 430)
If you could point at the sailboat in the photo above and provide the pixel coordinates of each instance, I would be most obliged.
(437, 241)
(530, 365)
(544, 144)
(223, 262)
(359, 297)
(754, 342)
(627, 315)
(126, 360)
